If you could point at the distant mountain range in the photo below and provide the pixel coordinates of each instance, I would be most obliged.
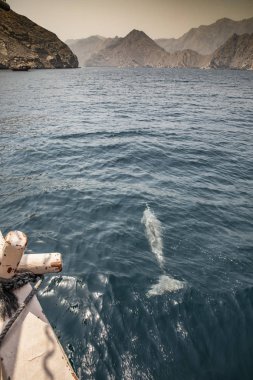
(194, 49)
(223, 44)
(137, 49)
(207, 38)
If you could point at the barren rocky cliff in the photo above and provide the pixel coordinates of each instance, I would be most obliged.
(236, 53)
(22, 42)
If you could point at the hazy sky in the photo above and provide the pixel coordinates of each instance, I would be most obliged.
(157, 18)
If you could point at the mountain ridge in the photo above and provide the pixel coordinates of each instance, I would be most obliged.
(135, 49)
(138, 49)
(94, 49)
(205, 39)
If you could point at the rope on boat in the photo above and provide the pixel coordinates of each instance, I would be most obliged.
(9, 301)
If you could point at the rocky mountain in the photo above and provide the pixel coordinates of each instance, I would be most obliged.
(236, 53)
(207, 38)
(84, 48)
(188, 58)
(24, 43)
(137, 49)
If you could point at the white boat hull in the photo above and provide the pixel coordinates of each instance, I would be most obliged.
(31, 349)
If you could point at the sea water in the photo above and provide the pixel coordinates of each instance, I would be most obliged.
(142, 179)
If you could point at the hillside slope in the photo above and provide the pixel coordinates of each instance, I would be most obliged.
(84, 48)
(136, 49)
(236, 53)
(22, 42)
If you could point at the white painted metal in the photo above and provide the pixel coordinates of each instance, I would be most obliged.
(11, 251)
(12, 259)
(40, 263)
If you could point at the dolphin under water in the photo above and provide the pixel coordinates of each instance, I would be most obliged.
(154, 234)
(153, 228)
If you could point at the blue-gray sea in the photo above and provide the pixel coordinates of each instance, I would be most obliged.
(142, 179)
